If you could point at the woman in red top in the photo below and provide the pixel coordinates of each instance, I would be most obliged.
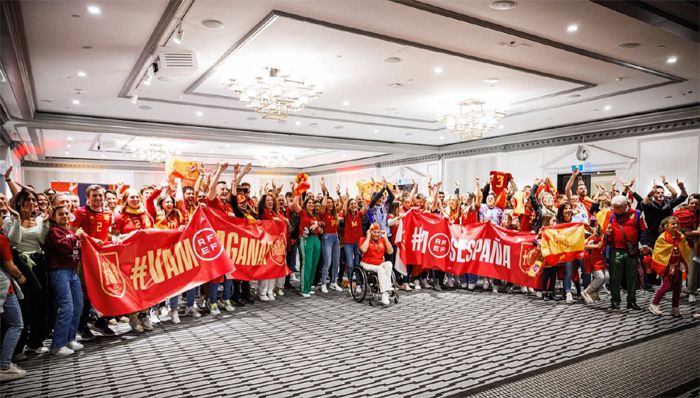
(309, 230)
(373, 247)
(330, 245)
(269, 209)
(352, 234)
(594, 263)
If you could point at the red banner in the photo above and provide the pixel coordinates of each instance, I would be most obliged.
(152, 265)
(258, 250)
(430, 242)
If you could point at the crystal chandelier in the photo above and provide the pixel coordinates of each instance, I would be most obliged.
(154, 153)
(273, 159)
(472, 119)
(274, 94)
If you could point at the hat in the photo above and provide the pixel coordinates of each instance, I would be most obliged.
(374, 227)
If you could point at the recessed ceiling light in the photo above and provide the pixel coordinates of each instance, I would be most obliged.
(211, 151)
(70, 138)
(500, 127)
(437, 70)
(103, 156)
(629, 45)
(572, 28)
(492, 80)
(392, 60)
(75, 15)
(394, 85)
(668, 96)
(346, 103)
(67, 153)
(94, 10)
(503, 5)
(68, 145)
(298, 123)
(442, 137)
(76, 102)
(82, 74)
(228, 145)
(199, 113)
(213, 24)
(672, 59)
(408, 134)
(376, 131)
(607, 107)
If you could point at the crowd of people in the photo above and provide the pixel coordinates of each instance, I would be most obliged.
(42, 291)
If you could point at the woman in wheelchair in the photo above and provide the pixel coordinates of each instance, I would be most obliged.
(373, 247)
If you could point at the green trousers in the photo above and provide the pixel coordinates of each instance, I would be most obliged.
(311, 249)
(622, 265)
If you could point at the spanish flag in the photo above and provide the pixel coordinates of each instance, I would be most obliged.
(562, 243)
(664, 248)
(603, 218)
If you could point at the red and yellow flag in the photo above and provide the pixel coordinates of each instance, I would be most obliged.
(499, 186)
(663, 250)
(562, 243)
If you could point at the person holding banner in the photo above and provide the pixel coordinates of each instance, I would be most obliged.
(564, 216)
(268, 209)
(373, 247)
(626, 230)
(309, 230)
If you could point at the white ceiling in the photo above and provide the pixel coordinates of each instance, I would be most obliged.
(347, 58)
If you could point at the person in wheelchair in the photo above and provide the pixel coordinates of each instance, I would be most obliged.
(373, 247)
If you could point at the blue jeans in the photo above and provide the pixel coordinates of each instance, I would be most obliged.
(214, 289)
(69, 304)
(568, 273)
(352, 257)
(330, 245)
(292, 257)
(12, 319)
(190, 298)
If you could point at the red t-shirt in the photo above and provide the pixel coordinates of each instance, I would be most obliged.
(593, 258)
(330, 223)
(173, 221)
(219, 205)
(375, 251)
(353, 228)
(6, 254)
(305, 221)
(128, 222)
(95, 224)
(526, 220)
(470, 216)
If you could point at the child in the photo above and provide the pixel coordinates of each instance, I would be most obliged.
(594, 263)
(670, 261)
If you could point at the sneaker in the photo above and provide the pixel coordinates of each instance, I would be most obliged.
(494, 289)
(305, 295)
(436, 286)
(312, 291)
(193, 312)
(530, 290)
(14, 372)
(450, 283)
(124, 319)
(655, 309)
(538, 295)
(214, 310)
(335, 287)
(102, 327)
(86, 334)
(271, 296)
(385, 298)
(424, 284)
(471, 286)
(280, 291)
(163, 311)
(691, 298)
(263, 297)
(324, 289)
(39, 350)
(20, 357)
(416, 285)
(62, 352)
(486, 284)
(228, 306)
(146, 323)
(523, 289)
(586, 297)
(75, 346)
(174, 317)
(676, 312)
(569, 298)
(112, 322)
(293, 277)
(406, 287)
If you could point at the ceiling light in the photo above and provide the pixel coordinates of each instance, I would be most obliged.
(103, 156)
(134, 98)
(503, 5)
(177, 36)
(94, 10)
(572, 28)
(67, 153)
(392, 60)
(437, 70)
(298, 123)
(213, 24)
(275, 93)
(629, 45)
(472, 119)
(273, 159)
(492, 80)
(442, 137)
(228, 145)
(607, 107)
(199, 113)
(346, 103)
(500, 127)
(70, 138)
(376, 131)
(76, 102)
(68, 145)
(82, 74)
(672, 59)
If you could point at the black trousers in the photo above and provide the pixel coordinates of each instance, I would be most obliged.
(37, 304)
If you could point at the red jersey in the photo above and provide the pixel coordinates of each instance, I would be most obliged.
(95, 223)
(330, 223)
(219, 205)
(375, 251)
(470, 216)
(6, 254)
(353, 228)
(629, 222)
(172, 221)
(126, 222)
(305, 221)
(593, 258)
(526, 220)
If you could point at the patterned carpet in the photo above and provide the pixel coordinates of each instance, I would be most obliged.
(430, 344)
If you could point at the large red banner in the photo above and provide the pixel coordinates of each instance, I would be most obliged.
(151, 265)
(258, 250)
(430, 242)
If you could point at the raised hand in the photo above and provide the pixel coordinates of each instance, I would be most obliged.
(8, 173)
(248, 167)
(73, 187)
(680, 184)
(323, 181)
(663, 180)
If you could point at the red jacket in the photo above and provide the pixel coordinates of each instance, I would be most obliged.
(634, 226)
(62, 249)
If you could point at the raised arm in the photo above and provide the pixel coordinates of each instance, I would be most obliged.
(8, 179)
(390, 199)
(684, 195)
(570, 184)
(435, 196)
(664, 182)
(211, 193)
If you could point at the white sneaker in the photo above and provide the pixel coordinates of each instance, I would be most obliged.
(135, 324)
(494, 289)
(486, 284)
(271, 296)
(162, 311)
(16, 369)
(214, 310)
(569, 298)
(174, 317)
(305, 295)
(293, 278)
(14, 372)
(75, 346)
(691, 298)
(124, 319)
(193, 312)
(324, 289)
(40, 350)
(416, 285)
(280, 291)
(112, 322)
(146, 323)
(62, 352)
(312, 291)
(586, 297)
(335, 287)
(226, 305)
(655, 309)
(263, 297)
(406, 287)
(471, 286)
(523, 289)
(385, 298)
(538, 295)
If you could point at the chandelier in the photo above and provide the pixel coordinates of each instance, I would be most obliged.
(472, 119)
(275, 94)
(273, 159)
(154, 153)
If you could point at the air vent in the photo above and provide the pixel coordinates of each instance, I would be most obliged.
(175, 62)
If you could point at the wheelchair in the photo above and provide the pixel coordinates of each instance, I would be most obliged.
(365, 284)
